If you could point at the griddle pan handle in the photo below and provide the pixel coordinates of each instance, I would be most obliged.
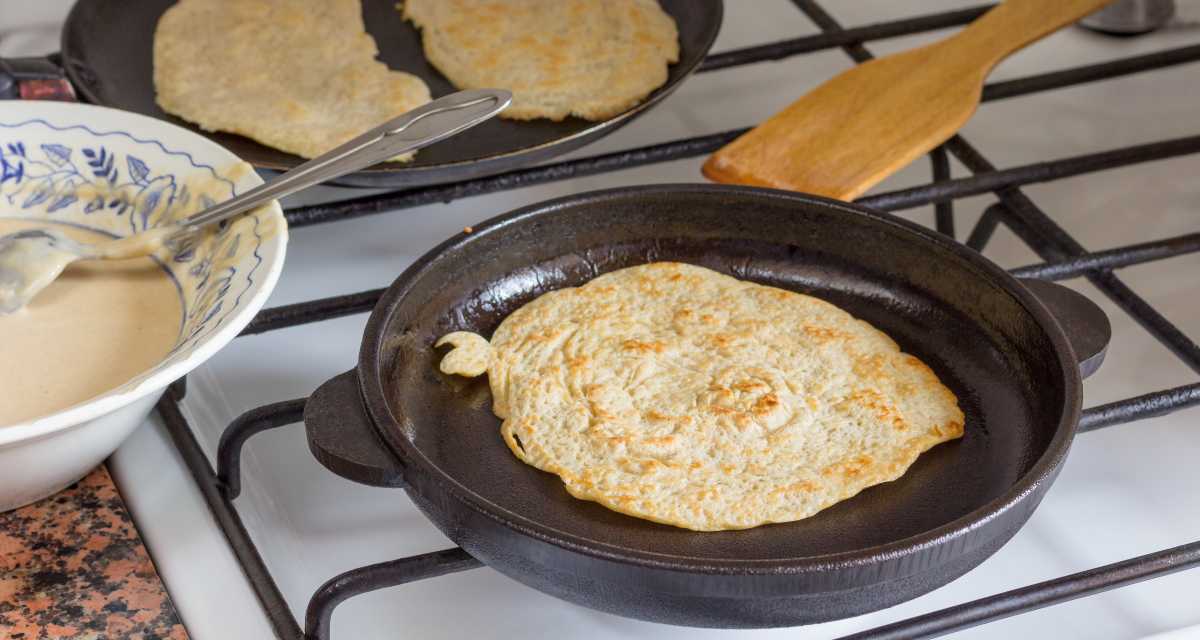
(341, 436)
(34, 79)
(1084, 323)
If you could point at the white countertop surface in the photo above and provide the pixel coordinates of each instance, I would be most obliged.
(1125, 491)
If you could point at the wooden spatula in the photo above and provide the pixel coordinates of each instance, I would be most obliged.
(860, 127)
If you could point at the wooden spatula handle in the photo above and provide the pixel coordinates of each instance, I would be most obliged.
(858, 128)
(1014, 24)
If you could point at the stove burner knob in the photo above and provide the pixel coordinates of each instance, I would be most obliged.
(1129, 17)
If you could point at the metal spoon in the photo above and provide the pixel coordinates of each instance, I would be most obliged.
(31, 259)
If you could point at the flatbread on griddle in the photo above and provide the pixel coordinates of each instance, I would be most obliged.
(676, 394)
(297, 75)
(587, 58)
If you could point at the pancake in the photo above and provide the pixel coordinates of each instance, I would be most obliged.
(677, 394)
(559, 58)
(297, 75)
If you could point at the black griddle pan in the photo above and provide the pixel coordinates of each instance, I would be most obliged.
(1012, 351)
(107, 54)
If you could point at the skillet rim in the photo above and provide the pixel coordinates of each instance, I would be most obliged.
(1029, 485)
(377, 175)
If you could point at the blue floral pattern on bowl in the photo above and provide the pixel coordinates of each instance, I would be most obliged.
(117, 183)
(50, 176)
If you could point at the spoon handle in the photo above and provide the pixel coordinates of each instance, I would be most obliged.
(423, 126)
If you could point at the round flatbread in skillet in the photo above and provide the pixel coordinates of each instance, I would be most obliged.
(680, 395)
(586, 58)
(297, 75)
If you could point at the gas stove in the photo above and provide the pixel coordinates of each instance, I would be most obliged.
(1080, 167)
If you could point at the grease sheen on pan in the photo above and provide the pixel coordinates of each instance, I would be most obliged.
(680, 395)
(297, 75)
(587, 58)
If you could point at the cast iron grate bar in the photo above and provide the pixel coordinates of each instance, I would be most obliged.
(377, 576)
(226, 515)
(996, 179)
(1150, 405)
(1065, 259)
(1090, 73)
(234, 437)
(311, 311)
(1112, 258)
(828, 40)
(1037, 596)
(943, 211)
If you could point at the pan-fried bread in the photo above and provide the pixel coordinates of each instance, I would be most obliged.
(559, 57)
(297, 75)
(680, 395)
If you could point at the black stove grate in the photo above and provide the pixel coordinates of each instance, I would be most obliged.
(1064, 258)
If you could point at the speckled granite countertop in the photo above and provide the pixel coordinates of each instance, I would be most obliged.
(73, 566)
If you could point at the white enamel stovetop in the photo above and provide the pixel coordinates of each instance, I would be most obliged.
(1126, 490)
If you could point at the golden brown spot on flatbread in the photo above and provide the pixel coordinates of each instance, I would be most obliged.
(824, 334)
(644, 347)
(802, 486)
(750, 385)
(765, 404)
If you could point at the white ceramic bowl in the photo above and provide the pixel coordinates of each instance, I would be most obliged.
(55, 158)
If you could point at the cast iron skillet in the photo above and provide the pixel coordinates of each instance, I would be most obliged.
(107, 53)
(999, 344)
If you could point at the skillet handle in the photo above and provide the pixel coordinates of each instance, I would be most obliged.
(1085, 324)
(341, 436)
(34, 79)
